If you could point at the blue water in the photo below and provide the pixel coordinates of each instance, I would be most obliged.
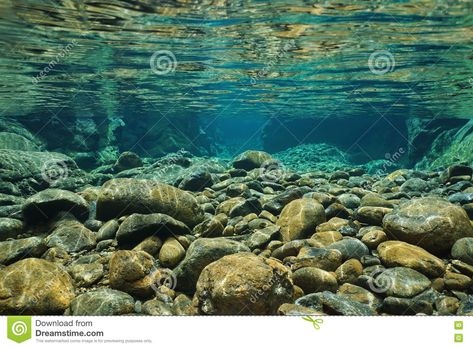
(224, 70)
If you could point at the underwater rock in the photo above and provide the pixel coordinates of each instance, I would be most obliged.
(197, 181)
(251, 159)
(127, 160)
(358, 294)
(404, 282)
(350, 248)
(16, 249)
(124, 196)
(463, 250)
(137, 227)
(134, 272)
(431, 223)
(396, 253)
(47, 204)
(349, 271)
(71, 236)
(171, 253)
(299, 218)
(202, 252)
(102, 301)
(311, 279)
(35, 286)
(86, 274)
(339, 305)
(11, 141)
(10, 228)
(267, 285)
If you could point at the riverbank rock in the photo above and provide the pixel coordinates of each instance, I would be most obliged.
(430, 223)
(243, 284)
(125, 196)
(34, 286)
(463, 250)
(299, 218)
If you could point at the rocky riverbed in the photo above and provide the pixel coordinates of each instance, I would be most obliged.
(194, 236)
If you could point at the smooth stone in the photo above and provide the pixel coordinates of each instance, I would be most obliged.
(430, 223)
(137, 227)
(35, 286)
(14, 250)
(322, 258)
(124, 196)
(134, 272)
(243, 284)
(349, 271)
(372, 215)
(311, 279)
(251, 159)
(327, 238)
(356, 293)
(290, 309)
(202, 252)
(262, 237)
(45, 205)
(101, 302)
(72, 236)
(10, 228)
(340, 305)
(196, 181)
(404, 282)
(455, 281)
(171, 253)
(127, 160)
(396, 253)
(108, 230)
(463, 250)
(157, 307)
(85, 275)
(299, 218)
(373, 238)
(151, 245)
(351, 248)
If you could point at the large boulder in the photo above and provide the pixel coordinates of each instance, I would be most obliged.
(125, 196)
(34, 286)
(299, 218)
(46, 204)
(431, 223)
(12, 141)
(202, 252)
(395, 253)
(243, 283)
(71, 236)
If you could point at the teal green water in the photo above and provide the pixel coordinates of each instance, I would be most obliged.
(238, 58)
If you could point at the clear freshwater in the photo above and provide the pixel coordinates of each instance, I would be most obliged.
(220, 77)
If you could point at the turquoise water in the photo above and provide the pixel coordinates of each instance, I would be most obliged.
(223, 72)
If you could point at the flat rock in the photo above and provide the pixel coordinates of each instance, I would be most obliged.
(71, 236)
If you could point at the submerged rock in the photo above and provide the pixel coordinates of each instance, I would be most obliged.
(34, 286)
(243, 284)
(251, 159)
(48, 203)
(14, 250)
(102, 302)
(299, 218)
(431, 223)
(202, 252)
(120, 197)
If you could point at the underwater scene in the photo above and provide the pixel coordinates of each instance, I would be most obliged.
(236, 157)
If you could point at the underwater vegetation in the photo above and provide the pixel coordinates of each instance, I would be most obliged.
(236, 157)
